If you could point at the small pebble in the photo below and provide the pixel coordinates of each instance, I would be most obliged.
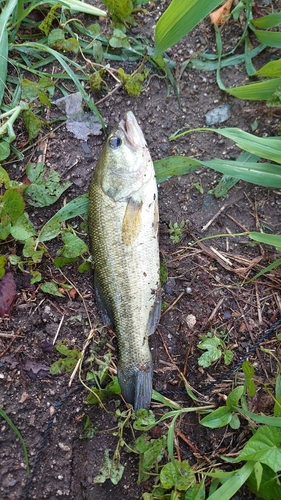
(218, 115)
(191, 320)
(85, 147)
(169, 286)
(9, 481)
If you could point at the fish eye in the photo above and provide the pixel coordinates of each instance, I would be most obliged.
(115, 142)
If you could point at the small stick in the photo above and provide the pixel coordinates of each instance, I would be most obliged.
(87, 342)
(172, 304)
(176, 441)
(213, 218)
(37, 307)
(215, 310)
(55, 307)
(238, 223)
(258, 304)
(10, 343)
(278, 301)
(189, 443)
(258, 226)
(7, 335)
(58, 330)
(221, 256)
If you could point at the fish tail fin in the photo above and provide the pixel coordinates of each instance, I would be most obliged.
(136, 385)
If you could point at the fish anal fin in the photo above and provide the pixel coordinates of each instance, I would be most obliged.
(154, 314)
(132, 222)
(103, 305)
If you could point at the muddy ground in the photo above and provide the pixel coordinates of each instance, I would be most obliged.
(201, 283)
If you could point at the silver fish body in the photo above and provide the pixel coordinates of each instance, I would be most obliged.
(123, 228)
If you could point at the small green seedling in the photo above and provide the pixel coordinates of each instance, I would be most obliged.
(175, 231)
(103, 384)
(67, 362)
(4, 415)
(249, 371)
(215, 348)
(199, 187)
(89, 429)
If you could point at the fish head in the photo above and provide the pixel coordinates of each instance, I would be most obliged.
(125, 164)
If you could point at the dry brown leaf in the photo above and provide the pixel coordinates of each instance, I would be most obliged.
(72, 293)
(8, 293)
(218, 17)
(24, 397)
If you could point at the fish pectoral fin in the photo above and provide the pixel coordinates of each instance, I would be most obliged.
(103, 306)
(132, 222)
(136, 385)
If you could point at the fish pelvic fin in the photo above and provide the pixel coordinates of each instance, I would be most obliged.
(136, 385)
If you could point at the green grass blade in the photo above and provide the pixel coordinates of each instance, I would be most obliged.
(273, 69)
(76, 207)
(75, 5)
(265, 270)
(18, 434)
(265, 147)
(269, 38)
(228, 181)
(180, 17)
(260, 419)
(234, 483)
(3, 62)
(6, 13)
(262, 174)
(219, 48)
(170, 438)
(256, 91)
(211, 63)
(79, 6)
(269, 239)
(251, 70)
(268, 21)
(157, 396)
(63, 60)
(174, 166)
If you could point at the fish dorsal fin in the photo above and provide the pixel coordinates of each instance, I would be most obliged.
(132, 222)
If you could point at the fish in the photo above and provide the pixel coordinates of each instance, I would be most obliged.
(123, 230)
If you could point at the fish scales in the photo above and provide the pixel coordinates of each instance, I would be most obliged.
(123, 223)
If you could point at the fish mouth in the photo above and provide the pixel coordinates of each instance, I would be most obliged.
(133, 134)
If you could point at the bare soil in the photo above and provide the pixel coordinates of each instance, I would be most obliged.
(202, 283)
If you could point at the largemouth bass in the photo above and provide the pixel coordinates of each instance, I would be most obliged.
(123, 228)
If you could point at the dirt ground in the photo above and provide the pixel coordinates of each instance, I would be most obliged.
(200, 283)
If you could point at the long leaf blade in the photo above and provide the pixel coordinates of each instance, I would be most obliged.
(180, 17)
(77, 206)
(265, 147)
(269, 239)
(273, 68)
(4, 19)
(174, 166)
(269, 38)
(268, 21)
(234, 483)
(262, 174)
(256, 91)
